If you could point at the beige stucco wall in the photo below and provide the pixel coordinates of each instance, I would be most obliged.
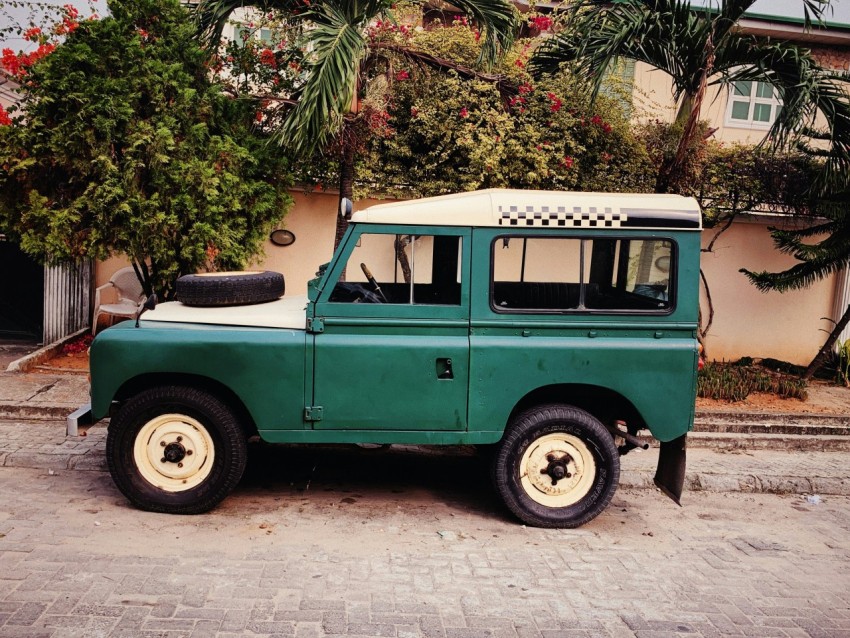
(785, 326)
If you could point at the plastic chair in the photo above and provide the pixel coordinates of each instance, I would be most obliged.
(128, 290)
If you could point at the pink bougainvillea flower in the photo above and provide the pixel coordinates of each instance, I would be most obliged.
(464, 112)
(541, 23)
(267, 58)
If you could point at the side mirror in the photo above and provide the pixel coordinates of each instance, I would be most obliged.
(147, 304)
(345, 207)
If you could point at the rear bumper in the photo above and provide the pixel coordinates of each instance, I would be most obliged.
(79, 420)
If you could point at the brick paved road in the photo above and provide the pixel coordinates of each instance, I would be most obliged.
(359, 543)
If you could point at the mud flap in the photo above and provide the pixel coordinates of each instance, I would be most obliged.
(670, 475)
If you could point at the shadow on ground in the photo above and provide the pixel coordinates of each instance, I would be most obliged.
(456, 477)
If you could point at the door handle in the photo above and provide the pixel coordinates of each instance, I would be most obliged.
(444, 369)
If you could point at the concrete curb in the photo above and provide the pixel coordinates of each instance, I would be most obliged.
(29, 412)
(28, 362)
(754, 484)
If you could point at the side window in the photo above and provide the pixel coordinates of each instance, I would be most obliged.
(402, 269)
(551, 274)
(629, 274)
(536, 273)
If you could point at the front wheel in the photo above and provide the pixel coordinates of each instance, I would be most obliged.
(175, 450)
(557, 466)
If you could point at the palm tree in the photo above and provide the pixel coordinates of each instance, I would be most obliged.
(697, 47)
(340, 62)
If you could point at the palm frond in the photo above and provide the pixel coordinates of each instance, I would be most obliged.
(212, 15)
(665, 34)
(498, 20)
(338, 47)
(799, 276)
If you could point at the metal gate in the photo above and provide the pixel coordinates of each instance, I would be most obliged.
(67, 299)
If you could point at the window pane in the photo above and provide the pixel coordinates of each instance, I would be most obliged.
(743, 88)
(764, 89)
(536, 273)
(545, 274)
(761, 112)
(629, 274)
(740, 110)
(421, 269)
(265, 36)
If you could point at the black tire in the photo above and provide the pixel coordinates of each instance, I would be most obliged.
(543, 440)
(175, 420)
(230, 288)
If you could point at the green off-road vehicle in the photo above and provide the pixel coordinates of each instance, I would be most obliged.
(549, 326)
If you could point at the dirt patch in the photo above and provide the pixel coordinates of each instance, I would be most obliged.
(824, 398)
(76, 363)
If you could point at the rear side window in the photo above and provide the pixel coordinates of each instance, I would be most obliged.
(555, 274)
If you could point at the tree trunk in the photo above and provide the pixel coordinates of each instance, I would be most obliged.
(823, 353)
(672, 173)
(670, 164)
(346, 186)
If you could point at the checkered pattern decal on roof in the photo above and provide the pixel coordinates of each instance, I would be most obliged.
(560, 216)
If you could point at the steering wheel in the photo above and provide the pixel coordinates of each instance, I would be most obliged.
(373, 283)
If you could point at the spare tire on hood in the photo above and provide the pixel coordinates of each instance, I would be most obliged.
(230, 288)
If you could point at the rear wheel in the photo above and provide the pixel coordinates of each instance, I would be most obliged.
(557, 466)
(175, 450)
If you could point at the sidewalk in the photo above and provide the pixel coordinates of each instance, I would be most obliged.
(730, 451)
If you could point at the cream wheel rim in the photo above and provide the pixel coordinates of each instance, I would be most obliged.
(174, 452)
(557, 470)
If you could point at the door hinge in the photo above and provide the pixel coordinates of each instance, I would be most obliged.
(315, 324)
(313, 413)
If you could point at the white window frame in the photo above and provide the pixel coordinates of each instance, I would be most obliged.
(752, 100)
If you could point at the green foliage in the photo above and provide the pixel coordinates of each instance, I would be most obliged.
(736, 382)
(743, 178)
(128, 147)
(844, 364)
(450, 133)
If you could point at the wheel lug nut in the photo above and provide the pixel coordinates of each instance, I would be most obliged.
(188, 452)
(179, 465)
(163, 460)
(179, 438)
(162, 443)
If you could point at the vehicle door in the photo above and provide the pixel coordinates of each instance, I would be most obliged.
(391, 332)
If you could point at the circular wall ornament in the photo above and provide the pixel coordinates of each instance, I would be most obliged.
(281, 237)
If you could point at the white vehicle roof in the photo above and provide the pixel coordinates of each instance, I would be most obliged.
(552, 209)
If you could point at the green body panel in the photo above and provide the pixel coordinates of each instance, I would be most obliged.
(381, 380)
(654, 375)
(264, 367)
(649, 359)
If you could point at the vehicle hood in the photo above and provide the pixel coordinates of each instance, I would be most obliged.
(287, 312)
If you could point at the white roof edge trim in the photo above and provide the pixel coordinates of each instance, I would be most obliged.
(512, 208)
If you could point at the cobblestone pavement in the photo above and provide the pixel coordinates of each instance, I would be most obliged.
(333, 542)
